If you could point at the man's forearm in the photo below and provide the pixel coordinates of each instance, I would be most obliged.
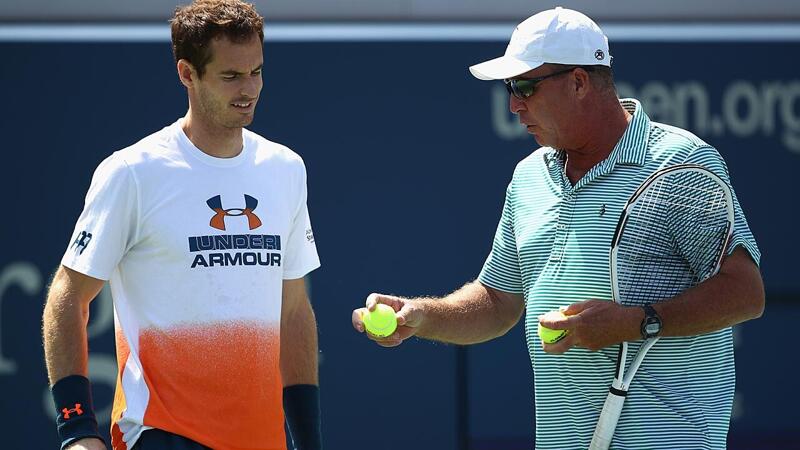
(299, 368)
(299, 347)
(469, 315)
(66, 315)
(733, 296)
(64, 332)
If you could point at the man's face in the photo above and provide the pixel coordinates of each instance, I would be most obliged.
(546, 112)
(228, 90)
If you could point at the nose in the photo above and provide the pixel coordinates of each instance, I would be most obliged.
(515, 105)
(251, 87)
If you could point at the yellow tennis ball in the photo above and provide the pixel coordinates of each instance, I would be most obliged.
(549, 336)
(381, 322)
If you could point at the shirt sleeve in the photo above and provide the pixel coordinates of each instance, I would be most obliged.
(710, 158)
(501, 270)
(300, 256)
(106, 228)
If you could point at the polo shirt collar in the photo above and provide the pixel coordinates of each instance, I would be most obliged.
(632, 146)
(631, 149)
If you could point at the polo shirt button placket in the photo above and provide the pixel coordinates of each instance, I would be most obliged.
(563, 218)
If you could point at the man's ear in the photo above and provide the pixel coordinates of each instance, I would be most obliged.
(583, 83)
(187, 73)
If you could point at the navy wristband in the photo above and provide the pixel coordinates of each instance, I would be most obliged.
(301, 408)
(73, 400)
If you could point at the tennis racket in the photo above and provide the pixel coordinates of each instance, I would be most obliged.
(672, 235)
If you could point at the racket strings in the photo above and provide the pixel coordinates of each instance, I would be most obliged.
(714, 203)
(672, 237)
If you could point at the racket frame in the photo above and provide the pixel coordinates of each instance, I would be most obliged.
(615, 400)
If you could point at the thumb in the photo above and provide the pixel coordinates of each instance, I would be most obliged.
(402, 318)
(410, 315)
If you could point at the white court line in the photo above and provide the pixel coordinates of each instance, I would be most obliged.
(404, 32)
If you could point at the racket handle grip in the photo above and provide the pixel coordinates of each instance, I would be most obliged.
(608, 421)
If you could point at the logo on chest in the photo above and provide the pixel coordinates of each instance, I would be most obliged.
(218, 221)
(221, 250)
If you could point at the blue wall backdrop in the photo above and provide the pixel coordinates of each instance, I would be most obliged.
(408, 158)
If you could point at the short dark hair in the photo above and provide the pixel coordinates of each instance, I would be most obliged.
(195, 25)
(601, 75)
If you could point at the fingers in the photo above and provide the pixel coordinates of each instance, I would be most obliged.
(590, 325)
(395, 339)
(577, 308)
(565, 318)
(405, 312)
(408, 315)
(557, 321)
(561, 346)
(373, 300)
(569, 318)
(401, 318)
(358, 322)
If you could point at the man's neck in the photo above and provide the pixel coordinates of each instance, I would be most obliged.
(214, 140)
(600, 144)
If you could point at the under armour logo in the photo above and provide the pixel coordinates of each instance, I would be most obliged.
(218, 221)
(602, 210)
(68, 411)
(599, 55)
(82, 241)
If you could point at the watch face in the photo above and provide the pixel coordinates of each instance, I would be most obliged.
(651, 325)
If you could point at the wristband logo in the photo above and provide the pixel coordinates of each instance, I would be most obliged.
(218, 221)
(68, 411)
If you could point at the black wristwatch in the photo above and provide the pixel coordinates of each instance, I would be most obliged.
(651, 324)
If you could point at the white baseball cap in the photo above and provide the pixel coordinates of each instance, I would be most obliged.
(556, 36)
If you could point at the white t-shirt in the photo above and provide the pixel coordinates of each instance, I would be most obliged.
(196, 249)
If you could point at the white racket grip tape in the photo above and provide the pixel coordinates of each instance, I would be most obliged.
(607, 422)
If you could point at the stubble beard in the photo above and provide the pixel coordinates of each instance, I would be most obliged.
(215, 112)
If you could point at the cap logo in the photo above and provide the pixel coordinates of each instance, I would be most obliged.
(599, 55)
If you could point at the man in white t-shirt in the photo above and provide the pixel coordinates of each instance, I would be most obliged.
(203, 233)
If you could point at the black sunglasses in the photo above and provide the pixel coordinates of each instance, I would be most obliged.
(523, 88)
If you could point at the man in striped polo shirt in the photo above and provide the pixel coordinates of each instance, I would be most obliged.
(551, 251)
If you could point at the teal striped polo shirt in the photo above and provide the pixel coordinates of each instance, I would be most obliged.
(552, 246)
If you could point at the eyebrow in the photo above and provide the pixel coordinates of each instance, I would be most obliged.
(234, 72)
